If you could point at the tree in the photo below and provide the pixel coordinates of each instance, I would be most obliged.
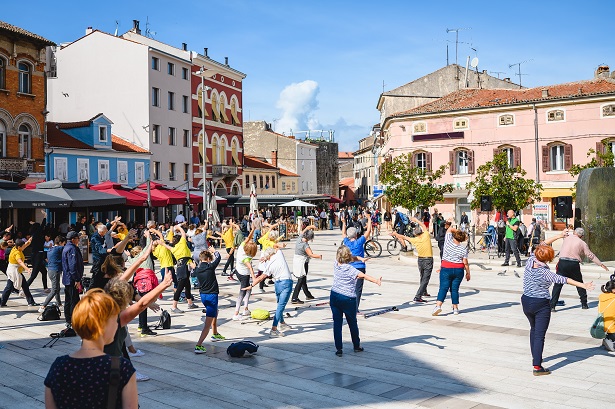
(410, 186)
(506, 185)
(600, 160)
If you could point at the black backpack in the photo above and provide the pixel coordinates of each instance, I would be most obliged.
(51, 313)
(165, 320)
(238, 349)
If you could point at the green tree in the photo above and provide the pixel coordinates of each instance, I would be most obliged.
(411, 187)
(600, 160)
(506, 185)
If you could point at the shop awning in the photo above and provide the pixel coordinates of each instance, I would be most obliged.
(263, 200)
(170, 196)
(555, 192)
(132, 199)
(12, 197)
(77, 196)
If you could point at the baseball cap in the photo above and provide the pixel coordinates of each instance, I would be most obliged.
(71, 235)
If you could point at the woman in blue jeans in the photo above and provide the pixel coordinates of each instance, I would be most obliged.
(454, 263)
(343, 299)
(276, 268)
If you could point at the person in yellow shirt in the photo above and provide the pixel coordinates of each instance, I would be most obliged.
(422, 242)
(14, 272)
(228, 236)
(606, 306)
(164, 256)
(267, 241)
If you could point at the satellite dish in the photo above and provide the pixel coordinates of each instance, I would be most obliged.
(474, 62)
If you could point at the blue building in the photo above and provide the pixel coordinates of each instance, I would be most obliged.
(88, 151)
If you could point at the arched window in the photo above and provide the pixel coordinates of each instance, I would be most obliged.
(214, 151)
(25, 138)
(222, 151)
(234, 115)
(214, 106)
(234, 152)
(2, 72)
(223, 116)
(2, 139)
(25, 77)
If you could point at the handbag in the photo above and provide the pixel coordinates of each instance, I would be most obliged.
(165, 320)
(50, 313)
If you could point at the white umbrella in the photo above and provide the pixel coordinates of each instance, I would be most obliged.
(297, 203)
(213, 205)
(253, 200)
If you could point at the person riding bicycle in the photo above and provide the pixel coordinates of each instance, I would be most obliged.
(400, 222)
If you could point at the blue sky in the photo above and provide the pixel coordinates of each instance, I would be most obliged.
(338, 53)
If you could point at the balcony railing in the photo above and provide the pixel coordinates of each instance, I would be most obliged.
(16, 165)
(223, 170)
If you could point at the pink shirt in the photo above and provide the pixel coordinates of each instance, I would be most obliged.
(575, 248)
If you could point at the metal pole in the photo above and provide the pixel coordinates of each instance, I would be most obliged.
(149, 201)
(205, 203)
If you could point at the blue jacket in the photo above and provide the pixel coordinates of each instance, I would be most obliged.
(97, 244)
(72, 264)
(54, 258)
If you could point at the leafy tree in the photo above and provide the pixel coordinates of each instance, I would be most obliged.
(600, 160)
(411, 187)
(506, 185)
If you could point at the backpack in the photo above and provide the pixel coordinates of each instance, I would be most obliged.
(165, 320)
(51, 313)
(403, 217)
(260, 314)
(359, 226)
(238, 349)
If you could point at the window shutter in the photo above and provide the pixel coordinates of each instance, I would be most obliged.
(516, 156)
(471, 162)
(545, 159)
(453, 165)
(201, 105)
(599, 149)
(414, 158)
(428, 161)
(215, 107)
(567, 156)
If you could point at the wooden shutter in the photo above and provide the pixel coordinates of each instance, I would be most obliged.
(215, 107)
(471, 162)
(428, 161)
(452, 163)
(545, 159)
(567, 156)
(599, 149)
(516, 156)
(201, 105)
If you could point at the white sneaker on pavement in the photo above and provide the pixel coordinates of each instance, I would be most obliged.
(136, 354)
(141, 377)
(436, 310)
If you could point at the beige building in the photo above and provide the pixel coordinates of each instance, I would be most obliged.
(364, 169)
(261, 175)
(345, 162)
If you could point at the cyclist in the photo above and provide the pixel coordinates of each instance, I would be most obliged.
(400, 222)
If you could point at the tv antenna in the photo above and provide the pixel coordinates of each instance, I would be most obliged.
(518, 64)
(148, 33)
(117, 27)
(456, 30)
(497, 73)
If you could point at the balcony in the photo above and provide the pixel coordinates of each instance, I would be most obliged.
(16, 165)
(224, 171)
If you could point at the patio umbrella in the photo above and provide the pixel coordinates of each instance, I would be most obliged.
(297, 203)
(253, 200)
(213, 205)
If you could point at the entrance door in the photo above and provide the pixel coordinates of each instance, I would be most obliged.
(463, 206)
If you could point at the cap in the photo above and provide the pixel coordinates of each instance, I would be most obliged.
(71, 235)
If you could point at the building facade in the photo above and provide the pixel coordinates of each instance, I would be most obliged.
(327, 176)
(22, 103)
(364, 170)
(345, 162)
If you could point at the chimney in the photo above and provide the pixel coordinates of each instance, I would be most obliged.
(205, 52)
(274, 158)
(88, 30)
(603, 71)
(545, 93)
(225, 60)
(135, 26)
(507, 79)
(184, 46)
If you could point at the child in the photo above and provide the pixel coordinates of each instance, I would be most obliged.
(606, 306)
(206, 275)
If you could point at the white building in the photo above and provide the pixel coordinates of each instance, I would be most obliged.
(364, 170)
(143, 84)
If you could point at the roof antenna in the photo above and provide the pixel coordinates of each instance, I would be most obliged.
(518, 64)
(148, 33)
(117, 26)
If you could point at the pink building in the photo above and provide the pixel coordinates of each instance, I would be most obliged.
(545, 130)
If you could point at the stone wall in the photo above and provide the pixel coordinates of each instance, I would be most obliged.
(327, 169)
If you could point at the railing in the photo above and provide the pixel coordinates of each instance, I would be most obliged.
(16, 165)
(223, 170)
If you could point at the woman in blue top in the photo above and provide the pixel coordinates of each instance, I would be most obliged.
(343, 296)
(54, 267)
(357, 248)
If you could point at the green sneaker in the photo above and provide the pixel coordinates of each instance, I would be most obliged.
(199, 349)
(217, 337)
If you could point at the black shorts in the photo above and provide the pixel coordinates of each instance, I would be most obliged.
(401, 229)
(244, 280)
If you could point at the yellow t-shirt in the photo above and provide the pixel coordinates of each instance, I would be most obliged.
(120, 236)
(265, 242)
(15, 254)
(422, 244)
(170, 235)
(181, 249)
(606, 305)
(228, 238)
(164, 256)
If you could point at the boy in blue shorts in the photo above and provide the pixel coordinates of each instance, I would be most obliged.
(206, 275)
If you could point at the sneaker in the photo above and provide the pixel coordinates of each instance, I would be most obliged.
(246, 313)
(296, 301)
(230, 278)
(193, 306)
(608, 345)
(553, 309)
(224, 274)
(176, 310)
(136, 354)
(46, 290)
(139, 329)
(505, 264)
(359, 349)
(419, 300)
(239, 317)
(270, 282)
(263, 291)
(41, 310)
(145, 332)
(199, 349)
(584, 306)
(436, 310)
(541, 371)
(182, 299)
(455, 311)
(310, 297)
(425, 294)
(141, 377)
(518, 265)
(275, 333)
(404, 249)
(217, 337)
(284, 326)
(34, 304)
(339, 352)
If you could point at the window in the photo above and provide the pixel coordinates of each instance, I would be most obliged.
(234, 153)
(223, 116)
(294, 186)
(555, 115)
(507, 119)
(234, 112)
(25, 136)
(103, 171)
(461, 162)
(283, 186)
(102, 133)
(608, 110)
(2, 73)
(419, 127)
(172, 137)
(267, 182)
(460, 123)
(421, 160)
(139, 172)
(171, 101)
(155, 133)
(513, 155)
(214, 151)
(186, 138)
(302, 164)
(155, 64)
(557, 157)
(222, 152)
(254, 181)
(25, 76)
(184, 73)
(214, 107)
(510, 157)
(186, 172)
(170, 68)
(122, 172)
(273, 181)
(83, 169)
(261, 180)
(247, 180)
(185, 104)
(2, 139)
(155, 97)
(60, 168)
(156, 170)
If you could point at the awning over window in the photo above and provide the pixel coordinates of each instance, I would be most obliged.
(132, 199)
(555, 192)
(77, 196)
(12, 197)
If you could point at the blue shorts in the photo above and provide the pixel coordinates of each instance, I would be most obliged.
(210, 301)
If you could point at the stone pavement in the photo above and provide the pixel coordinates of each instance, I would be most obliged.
(478, 359)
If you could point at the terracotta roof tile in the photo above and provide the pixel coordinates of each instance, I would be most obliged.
(345, 155)
(475, 98)
(349, 182)
(20, 31)
(284, 172)
(252, 162)
(120, 144)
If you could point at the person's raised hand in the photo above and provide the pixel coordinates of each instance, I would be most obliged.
(132, 233)
(379, 281)
(589, 286)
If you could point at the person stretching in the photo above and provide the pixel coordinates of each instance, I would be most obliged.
(244, 255)
(357, 248)
(205, 272)
(301, 262)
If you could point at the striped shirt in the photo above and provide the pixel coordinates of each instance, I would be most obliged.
(537, 281)
(344, 279)
(454, 253)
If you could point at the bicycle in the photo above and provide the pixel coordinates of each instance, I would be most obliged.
(394, 246)
(372, 248)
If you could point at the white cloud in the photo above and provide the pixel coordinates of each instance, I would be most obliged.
(298, 102)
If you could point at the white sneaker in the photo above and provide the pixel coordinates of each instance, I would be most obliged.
(275, 333)
(436, 310)
(284, 326)
(136, 354)
(455, 311)
(608, 345)
(141, 377)
(237, 317)
(246, 313)
(41, 310)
